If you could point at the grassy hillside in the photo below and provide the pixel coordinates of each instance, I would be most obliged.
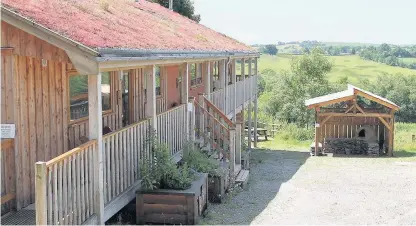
(408, 60)
(352, 66)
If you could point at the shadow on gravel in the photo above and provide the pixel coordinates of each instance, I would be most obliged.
(268, 171)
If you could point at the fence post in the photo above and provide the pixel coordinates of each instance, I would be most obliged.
(232, 154)
(41, 193)
(238, 143)
(191, 113)
(201, 116)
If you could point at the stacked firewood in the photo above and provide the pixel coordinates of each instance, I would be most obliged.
(351, 146)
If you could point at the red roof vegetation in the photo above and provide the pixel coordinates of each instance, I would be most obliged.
(123, 24)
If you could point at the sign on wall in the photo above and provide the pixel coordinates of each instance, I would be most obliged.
(7, 130)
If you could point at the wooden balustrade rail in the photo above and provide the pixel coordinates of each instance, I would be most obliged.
(65, 187)
(123, 151)
(170, 128)
(219, 112)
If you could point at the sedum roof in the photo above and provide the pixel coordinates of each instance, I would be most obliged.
(124, 24)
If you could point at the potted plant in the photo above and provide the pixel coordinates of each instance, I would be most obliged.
(170, 194)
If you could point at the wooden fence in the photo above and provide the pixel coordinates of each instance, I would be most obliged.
(123, 151)
(65, 186)
(170, 128)
(8, 175)
(230, 98)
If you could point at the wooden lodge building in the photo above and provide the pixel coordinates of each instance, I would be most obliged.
(83, 81)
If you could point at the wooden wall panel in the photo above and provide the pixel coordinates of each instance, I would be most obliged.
(39, 102)
(25, 44)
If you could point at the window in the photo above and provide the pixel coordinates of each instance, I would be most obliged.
(158, 81)
(78, 95)
(196, 74)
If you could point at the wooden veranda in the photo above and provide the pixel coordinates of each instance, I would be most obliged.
(343, 114)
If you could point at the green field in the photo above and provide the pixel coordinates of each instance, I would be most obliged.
(352, 66)
(408, 60)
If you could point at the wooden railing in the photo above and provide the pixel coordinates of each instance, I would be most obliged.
(213, 126)
(123, 151)
(8, 173)
(160, 105)
(230, 98)
(65, 187)
(170, 128)
(240, 93)
(217, 98)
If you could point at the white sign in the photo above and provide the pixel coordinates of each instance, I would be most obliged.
(190, 107)
(7, 130)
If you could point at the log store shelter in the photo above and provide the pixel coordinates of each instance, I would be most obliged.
(343, 114)
(83, 82)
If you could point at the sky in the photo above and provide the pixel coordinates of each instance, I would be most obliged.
(269, 21)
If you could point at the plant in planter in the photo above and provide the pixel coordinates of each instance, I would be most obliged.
(170, 194)
(217, 171)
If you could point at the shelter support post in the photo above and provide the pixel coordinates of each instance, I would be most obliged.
(95, 132)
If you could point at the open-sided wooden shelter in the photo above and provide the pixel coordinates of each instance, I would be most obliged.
(84, 82)
(345, 114)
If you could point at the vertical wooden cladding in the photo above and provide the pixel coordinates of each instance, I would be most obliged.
(136, 95)
(42, 112)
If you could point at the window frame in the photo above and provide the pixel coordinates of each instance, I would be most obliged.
(72, 73)
(160, 82)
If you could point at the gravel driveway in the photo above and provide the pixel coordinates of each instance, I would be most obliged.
(289, 187)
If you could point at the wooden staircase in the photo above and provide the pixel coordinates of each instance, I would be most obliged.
(218, 136)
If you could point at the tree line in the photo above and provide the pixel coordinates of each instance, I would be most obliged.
(390, 55)
(282, 95)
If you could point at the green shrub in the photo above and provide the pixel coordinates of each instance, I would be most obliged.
(159, 171)
(199, 161)
(289, 131)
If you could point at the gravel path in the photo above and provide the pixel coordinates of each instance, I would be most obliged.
(289, 187)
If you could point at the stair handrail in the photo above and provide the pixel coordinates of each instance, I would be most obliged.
(219, 112)
(211, 115)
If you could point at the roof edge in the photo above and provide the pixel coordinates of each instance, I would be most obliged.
(107, 53)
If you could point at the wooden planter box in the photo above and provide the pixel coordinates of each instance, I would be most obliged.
(166, 206)
(217, 186)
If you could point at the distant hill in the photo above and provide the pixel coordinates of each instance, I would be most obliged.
(352, 67)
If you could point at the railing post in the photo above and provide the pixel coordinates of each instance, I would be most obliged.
(41, 193)
(238, 143)
(191, 113)
(201, 115)
(234, 91)
(232, 153)
(255, 120)
(207, 79)
(95, 132)
(150, 77)
(243, 77)
(184, 95)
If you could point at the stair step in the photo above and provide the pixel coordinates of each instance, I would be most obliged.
(242, 178)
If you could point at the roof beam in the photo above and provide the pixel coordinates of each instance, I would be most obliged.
(377, 100)
(355, 115)
(331, 102)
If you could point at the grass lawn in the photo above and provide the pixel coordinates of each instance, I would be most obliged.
(403, 147)
(352, 66)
